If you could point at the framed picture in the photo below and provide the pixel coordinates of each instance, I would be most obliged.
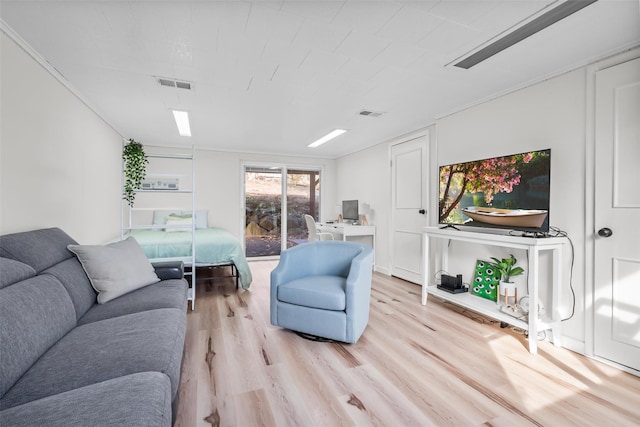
(485, 281)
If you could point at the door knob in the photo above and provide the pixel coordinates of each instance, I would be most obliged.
(422, 211)
(605, 232)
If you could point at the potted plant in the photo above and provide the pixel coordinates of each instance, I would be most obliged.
(135, 169)
(507, 268)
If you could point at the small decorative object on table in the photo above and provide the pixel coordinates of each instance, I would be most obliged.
(507, 269)
(486, 280)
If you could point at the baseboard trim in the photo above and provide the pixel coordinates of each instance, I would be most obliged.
(573, 345)
(381, 270)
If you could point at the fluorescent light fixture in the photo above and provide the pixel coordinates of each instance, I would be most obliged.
(182, 120)
(328, 137)
(548, 18)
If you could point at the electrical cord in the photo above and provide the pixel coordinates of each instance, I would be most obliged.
(479, 318)
(554, 232)
(437, 276)
(561, 233)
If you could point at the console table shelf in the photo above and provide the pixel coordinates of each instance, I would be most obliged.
(534, 246)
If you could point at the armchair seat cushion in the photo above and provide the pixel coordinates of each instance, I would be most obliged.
(325, 292)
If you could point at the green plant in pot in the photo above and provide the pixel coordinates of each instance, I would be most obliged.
(507, 268)
(135, 169)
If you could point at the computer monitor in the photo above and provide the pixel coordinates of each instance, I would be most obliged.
(350, 210)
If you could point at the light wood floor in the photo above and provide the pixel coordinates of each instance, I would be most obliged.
(414, 366)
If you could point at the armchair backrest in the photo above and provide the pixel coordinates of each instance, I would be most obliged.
(335, 258)
(318, 258)
(350, 260)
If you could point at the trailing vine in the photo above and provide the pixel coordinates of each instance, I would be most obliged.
(135, 169)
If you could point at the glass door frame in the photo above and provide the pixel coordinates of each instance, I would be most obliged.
(284, 170)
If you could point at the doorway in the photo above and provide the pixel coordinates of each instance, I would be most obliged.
(409, 186)
(272, 193)
(616, 298)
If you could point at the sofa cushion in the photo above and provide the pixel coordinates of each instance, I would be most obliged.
(40, 249)
(99, 351)
(34, 315)
(142, 399)
(325, 292)
(115, 269)
(13, 271)
(72, 276)
(165, 294)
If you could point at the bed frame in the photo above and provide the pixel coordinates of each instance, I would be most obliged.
(209, 267)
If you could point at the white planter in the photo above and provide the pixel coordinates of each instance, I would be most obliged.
(508, 293)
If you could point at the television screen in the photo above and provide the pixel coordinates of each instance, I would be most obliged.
(350, 210)
(509, 192)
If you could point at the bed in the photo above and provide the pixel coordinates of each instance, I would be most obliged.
(214, 247)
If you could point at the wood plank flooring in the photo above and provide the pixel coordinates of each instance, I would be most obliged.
(437, 365)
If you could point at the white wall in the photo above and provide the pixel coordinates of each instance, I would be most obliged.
(366, 176)
(550, 114)
(60, 161)
(219, 184)
(61, 165)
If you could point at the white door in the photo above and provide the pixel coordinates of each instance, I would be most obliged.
(617, 215)
(409, 207)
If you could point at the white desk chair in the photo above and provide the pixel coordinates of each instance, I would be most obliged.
(314, 234)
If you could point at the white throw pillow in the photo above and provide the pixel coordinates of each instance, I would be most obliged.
(182, 221)
(115, 269)
(160, 217)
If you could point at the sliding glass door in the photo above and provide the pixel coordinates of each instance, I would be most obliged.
(303, 198)
(267, 201)
(263, 211)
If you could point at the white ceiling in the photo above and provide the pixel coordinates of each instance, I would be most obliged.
(273, 76)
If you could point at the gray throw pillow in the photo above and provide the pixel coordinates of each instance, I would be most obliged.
(115, 269)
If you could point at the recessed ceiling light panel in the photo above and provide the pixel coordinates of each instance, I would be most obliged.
(328, 137)
(182, 121)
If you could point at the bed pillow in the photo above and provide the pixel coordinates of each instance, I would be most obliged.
(160, 217)
(115, 269)
(201, 218)
(181, 220)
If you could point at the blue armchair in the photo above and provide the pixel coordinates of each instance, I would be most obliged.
(322, 289)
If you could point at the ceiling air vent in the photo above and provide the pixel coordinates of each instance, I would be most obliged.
(370, 113)
(183, 85)
(173, 83)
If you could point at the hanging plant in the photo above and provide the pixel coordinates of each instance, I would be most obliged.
(135, 169)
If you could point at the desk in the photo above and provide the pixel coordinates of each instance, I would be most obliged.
(342, 231)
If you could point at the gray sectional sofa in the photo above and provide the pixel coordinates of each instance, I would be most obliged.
(68, 361)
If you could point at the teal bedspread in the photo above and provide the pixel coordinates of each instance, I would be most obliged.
(213, 246)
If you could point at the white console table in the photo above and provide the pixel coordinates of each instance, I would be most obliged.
(549, 320)
(342, 231)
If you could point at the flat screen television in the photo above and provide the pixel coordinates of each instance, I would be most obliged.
(350, 210)
(508, 192)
